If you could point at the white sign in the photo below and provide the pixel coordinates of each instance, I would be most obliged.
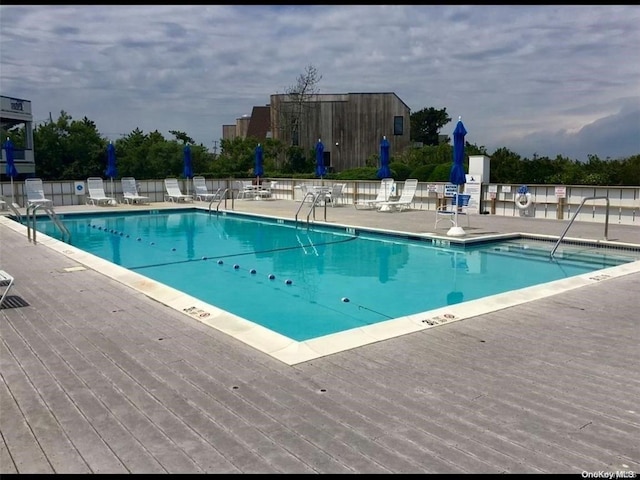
(473, 187)
(506, 188)
(561, 192)
(493, 189)
(79, 188)
(450, 190)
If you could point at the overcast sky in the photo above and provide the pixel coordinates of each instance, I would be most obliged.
(546, 80)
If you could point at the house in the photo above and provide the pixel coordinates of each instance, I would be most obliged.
(350, 125)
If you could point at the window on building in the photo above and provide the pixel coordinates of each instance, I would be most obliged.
(398, 125)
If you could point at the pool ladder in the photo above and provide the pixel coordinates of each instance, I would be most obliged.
(31, 222)
(606, 220)
(223, 196)
(316, 198)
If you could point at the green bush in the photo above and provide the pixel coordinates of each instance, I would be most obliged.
(360, 173)
(422, 172)
(400, 171)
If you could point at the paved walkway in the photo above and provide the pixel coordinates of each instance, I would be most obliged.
(99, 378)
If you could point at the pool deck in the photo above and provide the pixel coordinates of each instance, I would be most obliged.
(98, 377)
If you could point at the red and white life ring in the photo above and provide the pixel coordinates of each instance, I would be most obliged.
(524, 200)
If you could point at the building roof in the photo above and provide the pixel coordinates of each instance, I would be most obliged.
(260, 122)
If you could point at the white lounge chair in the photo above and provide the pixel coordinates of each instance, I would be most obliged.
(406, 197)
(448, 212)
(95, 186)
(130, 191)
(386, 189)
(174, 194)
(201, 192)
(6, 281)
(35, 192)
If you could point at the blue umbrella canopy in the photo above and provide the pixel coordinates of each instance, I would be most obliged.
(384, 171)
(111, 171)
(258, 169)
(10, 168)
(188, 167)
(457, 174)
(321, 170)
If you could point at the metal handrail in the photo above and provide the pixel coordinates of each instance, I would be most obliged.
(16, 212)
(33, 215)
(61, 226)
(223, 196)
(302, 204)
(32, 224)
(606, 220)
(317, 197)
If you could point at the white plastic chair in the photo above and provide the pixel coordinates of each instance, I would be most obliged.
(130, 191)
(95, 186)
(174, 194)
(201, 191)
(6, 281)
(386, 189)
(335, 195)
(35, 192)
(406, 197)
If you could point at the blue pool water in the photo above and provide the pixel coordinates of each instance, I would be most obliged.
(306, 283)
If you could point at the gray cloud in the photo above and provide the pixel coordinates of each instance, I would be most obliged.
(546, 80)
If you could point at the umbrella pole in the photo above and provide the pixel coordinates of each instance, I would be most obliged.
(13, 198)
(456, 206)
(455, 230)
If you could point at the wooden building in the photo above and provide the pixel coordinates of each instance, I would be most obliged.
(350, 125)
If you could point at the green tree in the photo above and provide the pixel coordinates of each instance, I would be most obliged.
(426, 125)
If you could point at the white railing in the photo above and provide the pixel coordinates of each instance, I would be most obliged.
(499, 200)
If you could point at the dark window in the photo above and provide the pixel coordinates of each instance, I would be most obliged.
(326, 159)
(398, 125)
(294, 137)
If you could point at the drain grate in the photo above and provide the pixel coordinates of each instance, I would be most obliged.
(13, 301)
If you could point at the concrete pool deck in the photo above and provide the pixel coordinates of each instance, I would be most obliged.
(99, 377)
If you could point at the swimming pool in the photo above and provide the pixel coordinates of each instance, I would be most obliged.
(305, 284)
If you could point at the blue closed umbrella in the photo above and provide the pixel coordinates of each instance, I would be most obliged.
(10, 170)
(188, 167)
(111, 171)
(258, 169)
(384, 171)
(321, 170)
(457, 175)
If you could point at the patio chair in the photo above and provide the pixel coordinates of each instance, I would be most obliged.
(130, 191)
(95, 186)
(386, 189)
(448, 212)
(6, 281)
(335, 195)
(245, 188)
(201, 192)
(174, 194)
(35, 192)
(406, 197)
(266, 189)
